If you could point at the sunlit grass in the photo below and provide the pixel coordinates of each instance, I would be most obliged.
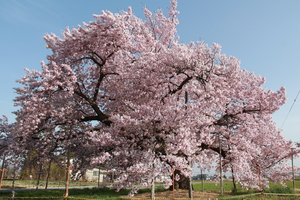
(51, 184)
(111, 194)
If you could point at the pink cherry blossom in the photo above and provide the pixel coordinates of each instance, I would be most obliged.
(123, 93)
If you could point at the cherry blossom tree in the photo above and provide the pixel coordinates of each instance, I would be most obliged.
(5, 139)
(7, 142)
(251, 143)
(5, 130)
(11, 155)
(147, 104)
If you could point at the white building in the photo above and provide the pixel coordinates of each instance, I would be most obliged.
(93, 175)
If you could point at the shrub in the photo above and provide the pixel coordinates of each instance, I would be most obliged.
(280, 189)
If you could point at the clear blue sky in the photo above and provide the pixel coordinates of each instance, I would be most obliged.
(264, 35)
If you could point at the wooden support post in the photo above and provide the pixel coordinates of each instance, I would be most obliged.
(190, 188)
(190, 181)
(67, 181)
(173, 178)
(293, 171)
(2, 175)
(202, 180)
(2, 170)
(39, 177)
(14, 178)
(153, 189)
(99, 168)
(48, 175)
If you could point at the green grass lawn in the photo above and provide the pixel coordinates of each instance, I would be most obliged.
(228, 187)
(212, 186)
(86, 193)
(111, 194)
(32, 184)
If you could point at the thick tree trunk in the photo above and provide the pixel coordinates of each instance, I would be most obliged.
(183, 182)
(68, 173)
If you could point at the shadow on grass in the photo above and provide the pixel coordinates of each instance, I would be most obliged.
(148, 190)
(86, 193)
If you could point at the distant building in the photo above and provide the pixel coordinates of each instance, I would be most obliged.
(200, 177)
(93, 175)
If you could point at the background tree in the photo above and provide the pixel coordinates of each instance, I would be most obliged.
(5, 136)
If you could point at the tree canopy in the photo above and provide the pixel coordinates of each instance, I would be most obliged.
(137, 100)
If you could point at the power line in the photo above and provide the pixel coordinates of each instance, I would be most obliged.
(290, 109)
